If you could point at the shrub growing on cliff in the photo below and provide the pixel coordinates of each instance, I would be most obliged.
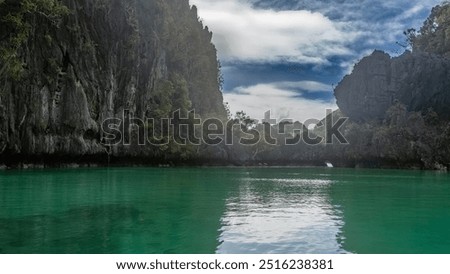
(17, 19)
(434, 36)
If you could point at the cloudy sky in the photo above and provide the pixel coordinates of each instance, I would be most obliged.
(286, 55)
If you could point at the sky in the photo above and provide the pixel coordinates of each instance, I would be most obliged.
(287, 55)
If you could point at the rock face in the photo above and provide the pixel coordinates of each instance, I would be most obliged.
(418, 80)
(150, 57)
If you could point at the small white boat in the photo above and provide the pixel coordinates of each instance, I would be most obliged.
(329, 164)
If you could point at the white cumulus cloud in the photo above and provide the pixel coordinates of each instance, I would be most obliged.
(247, 34)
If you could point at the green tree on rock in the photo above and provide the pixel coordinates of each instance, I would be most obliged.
(16, 24)
(434, 36)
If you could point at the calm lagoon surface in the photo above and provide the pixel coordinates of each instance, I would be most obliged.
(224, 210)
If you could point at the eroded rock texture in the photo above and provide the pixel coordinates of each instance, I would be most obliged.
(420, 81)
(150, 57)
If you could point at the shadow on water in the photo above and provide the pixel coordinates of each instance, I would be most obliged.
(78, 230)
(393, 211)
(111, 211)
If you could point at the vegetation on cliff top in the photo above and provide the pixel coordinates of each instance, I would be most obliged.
(434, 35)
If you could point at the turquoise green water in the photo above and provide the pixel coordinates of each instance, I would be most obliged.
(224, 210)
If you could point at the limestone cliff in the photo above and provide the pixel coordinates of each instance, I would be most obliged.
(101, 57)
(420, 81)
